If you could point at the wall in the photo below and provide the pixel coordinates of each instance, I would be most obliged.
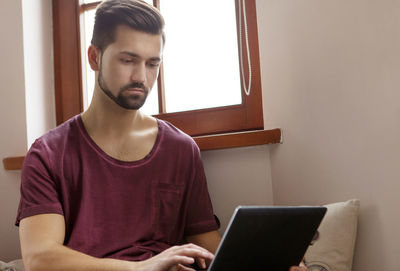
(13, 120)
(26, 55)
(239, 176)
(39, 72)
(331, 78)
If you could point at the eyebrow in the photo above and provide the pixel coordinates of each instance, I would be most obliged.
(156, 58)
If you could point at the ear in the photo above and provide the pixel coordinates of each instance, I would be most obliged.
(94, 56)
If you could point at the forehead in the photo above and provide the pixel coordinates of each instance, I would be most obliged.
(143, 44)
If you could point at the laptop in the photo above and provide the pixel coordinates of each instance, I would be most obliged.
(266, 238)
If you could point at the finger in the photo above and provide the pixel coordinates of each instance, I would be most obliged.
(181, 260)
(190, 245)
(195, 252)
(185, 255)
(298, 268)
(201, 263)
(184, 268)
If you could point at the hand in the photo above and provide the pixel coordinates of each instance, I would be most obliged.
(177, 258)
(301, 267)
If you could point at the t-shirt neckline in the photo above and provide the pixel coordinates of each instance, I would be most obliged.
(113, 160)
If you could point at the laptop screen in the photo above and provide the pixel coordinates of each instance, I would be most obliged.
(267, 238)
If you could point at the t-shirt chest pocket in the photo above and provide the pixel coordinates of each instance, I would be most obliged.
(167, 208)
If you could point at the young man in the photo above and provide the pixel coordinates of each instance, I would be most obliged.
(112, 188)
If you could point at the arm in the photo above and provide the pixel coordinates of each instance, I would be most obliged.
(209, 240)
(42, 238)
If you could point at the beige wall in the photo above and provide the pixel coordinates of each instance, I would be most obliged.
(331, 80)
(239, 176)
(26, 56)
(13, 120)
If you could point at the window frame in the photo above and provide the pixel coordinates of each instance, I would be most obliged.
(68, 77)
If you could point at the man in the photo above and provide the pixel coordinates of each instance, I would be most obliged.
(112, 188)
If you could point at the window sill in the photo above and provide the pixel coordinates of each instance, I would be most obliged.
(239, 139)
(205, 143)
(13, 163)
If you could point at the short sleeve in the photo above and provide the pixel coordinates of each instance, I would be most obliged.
(39, 193)
(200, 216)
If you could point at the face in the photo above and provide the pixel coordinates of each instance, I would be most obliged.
(129, 67)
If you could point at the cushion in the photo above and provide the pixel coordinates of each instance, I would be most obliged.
(337, 235)
(16, 265)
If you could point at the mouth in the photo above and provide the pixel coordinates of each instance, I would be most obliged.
(135, 90)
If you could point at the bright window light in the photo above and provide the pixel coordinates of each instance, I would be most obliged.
(201, 63)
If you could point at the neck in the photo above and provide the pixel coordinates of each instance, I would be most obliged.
(108, 117)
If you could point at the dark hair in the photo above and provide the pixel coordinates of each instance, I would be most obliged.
(136, 14)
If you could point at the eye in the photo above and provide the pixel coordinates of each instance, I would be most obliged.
(126, 60)
(154, 65)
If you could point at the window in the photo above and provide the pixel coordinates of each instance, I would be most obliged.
(239, 113)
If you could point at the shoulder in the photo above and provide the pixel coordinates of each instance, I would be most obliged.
(49, 149)
(174, 136)
(55, 138)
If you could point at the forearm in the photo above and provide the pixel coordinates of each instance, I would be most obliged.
(61, 258)
(209, 240)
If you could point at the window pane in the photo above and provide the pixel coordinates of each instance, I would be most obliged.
(88, 28)
(201, 63)
(151, 105)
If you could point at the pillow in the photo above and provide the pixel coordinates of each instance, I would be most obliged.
(16, 265)
(337, 235)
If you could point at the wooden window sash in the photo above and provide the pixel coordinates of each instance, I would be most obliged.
(67, 59)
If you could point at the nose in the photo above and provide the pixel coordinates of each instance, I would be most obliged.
(139, 73)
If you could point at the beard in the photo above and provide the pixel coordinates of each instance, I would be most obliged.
(131, 101)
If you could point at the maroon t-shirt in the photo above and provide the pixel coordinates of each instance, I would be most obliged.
(112, 208)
